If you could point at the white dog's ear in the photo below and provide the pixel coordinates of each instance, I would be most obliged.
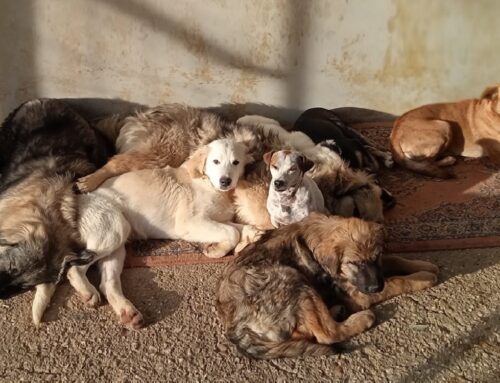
(305, 163)
(267, 157)
(195, 165)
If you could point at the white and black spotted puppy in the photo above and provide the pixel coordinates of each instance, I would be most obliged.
(292, 194)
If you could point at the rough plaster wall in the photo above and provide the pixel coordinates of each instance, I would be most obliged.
(386, 55)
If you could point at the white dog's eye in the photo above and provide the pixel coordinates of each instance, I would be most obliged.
(292, 169)
(216, 162)
(236, 162)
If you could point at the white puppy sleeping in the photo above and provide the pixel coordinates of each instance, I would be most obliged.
(190, 202)
(292, 194)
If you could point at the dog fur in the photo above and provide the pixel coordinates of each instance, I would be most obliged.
(44, 147)
(292, 194)
(168, 134)
(427, 139)
(274, 298)
(324, 127)
(191, 203)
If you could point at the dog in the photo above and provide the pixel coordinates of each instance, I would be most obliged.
(168, 134)
(44, 147)
(192, 202)
(324, 127)
(363, 203)
(292, 194)
(274, 298)
(427, 139)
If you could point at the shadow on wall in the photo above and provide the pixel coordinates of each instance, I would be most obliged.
(96, 108)
(18, 74)
(193, 39)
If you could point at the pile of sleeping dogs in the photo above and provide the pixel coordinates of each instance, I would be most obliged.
(185, 173)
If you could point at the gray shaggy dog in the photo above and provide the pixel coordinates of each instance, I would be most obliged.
(44, 147)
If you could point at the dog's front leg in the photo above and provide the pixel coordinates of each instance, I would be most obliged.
(77, 276)
(43, 295)
(248, 235)
(111, 269)
(394, 286)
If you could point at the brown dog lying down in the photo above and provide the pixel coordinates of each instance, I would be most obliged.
(426, 139)
(274, 298)
(168, 134)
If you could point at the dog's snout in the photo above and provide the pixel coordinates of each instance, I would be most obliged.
(225, 181)
(278, 184)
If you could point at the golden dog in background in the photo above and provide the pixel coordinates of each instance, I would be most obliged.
(427, 139)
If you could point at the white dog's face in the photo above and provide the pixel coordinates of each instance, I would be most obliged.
(225, 163)
(287, 168)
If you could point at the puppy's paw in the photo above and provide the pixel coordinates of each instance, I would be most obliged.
(428, 266)
(363, 320)
(423, 280)
(85, 184)
(91, 299)
(249, 234)
(132, 318)
(388, 161)
(216, 250)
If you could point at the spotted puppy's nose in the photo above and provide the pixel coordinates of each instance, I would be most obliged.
(279, 184)
(225, 181)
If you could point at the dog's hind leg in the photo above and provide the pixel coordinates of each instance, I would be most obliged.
(394, 286)
(43, 295)
(394, 265)
(111, 268)
(77, 276)
(315, 320)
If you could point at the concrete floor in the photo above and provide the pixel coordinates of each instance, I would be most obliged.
(449, 333)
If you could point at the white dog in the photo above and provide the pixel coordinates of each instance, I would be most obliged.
(190, 203)
(292, 194)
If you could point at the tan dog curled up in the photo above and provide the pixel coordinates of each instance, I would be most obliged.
(427, 139)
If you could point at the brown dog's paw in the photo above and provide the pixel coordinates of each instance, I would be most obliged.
(428, 266)
(423, 280)
(132, 318)
(85, 184)
(362, 320)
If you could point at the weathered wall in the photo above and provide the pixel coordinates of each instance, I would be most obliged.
(387, 55)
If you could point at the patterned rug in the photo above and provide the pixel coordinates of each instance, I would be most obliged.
(429, 215)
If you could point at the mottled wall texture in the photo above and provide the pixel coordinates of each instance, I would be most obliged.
(379, 54)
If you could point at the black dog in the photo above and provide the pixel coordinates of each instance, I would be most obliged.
(324, 127)
(44, 147)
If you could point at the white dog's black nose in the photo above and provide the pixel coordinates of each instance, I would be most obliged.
(225, 181)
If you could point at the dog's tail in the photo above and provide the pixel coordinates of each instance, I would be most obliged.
(255, 347)
(426, 167)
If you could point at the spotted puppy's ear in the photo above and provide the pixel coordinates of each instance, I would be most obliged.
(305, 163)
(195, 165)
(268, 156)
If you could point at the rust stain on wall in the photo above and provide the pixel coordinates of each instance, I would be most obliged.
(409, 54)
